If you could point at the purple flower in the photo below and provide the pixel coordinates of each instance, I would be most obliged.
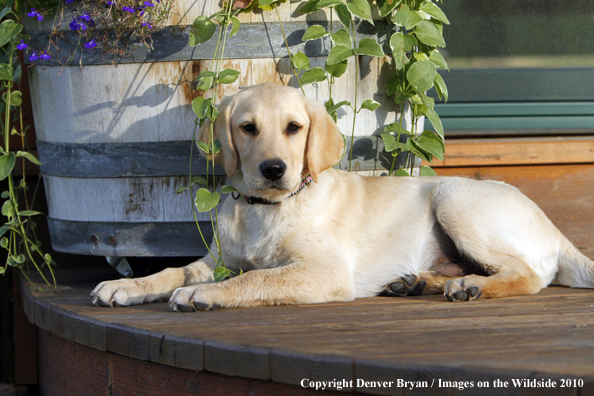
(82, 22)
(91, 44)
(129, 9)
(34, 14)
(77, 24)
(148, 4)
(22, 45)
(33, 57)
(110, 2)
(68, 2)
(148, 25)
(45, 56)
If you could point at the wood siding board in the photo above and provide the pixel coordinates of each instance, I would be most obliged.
(517, 151)
(291, 367)
(43, 309)
(237, 360)
(128, 341)
(90, 111)
(161, 349)
(91, 332)
(373, 371)
(166, 239)
(62, 323)
(52, 102)
(115, 160)
(189, 353)
(170, 44)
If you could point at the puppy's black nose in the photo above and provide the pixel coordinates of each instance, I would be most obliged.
(273, 169)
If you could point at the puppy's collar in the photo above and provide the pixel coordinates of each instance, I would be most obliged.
(257, 200)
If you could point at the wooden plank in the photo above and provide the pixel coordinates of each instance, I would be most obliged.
(321, 341)
(237, 360)
(86, 371)
(161, 349)
(291, 368)
(189, 353)
(563, 192)
(517, 151)
(128, 341)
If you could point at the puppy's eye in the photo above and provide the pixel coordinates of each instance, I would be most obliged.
(249, 128)
(293, 127)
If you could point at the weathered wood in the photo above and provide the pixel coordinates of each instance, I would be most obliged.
(86, 371)
(411, 339)
(237, 360)
(518, 151)
(122, 159)
(163, 239)
(128, 341)
(292, 368)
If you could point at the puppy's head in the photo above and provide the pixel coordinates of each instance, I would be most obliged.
(271, 137)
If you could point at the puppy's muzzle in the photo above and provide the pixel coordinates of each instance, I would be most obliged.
(273, 169)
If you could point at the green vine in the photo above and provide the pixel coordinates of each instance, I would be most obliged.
(17, 234)
(416, 36)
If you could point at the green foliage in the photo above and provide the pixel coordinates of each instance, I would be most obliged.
(203, 29)
(18, 231)
(417, 35)
(315, 32)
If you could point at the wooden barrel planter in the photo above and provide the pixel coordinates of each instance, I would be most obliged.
(114, 141)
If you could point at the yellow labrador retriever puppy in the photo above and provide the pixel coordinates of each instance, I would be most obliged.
(313, 234)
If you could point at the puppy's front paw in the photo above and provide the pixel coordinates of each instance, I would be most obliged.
(462, 289)
(117, 293)
(190, 299)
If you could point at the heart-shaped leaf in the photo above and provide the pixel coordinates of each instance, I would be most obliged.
(300, 61)
(342, 37)
(369, 47)
(316, 74)
(6, 164)
(428, 33)
(228, 76)
(315, 32)
(206, 200)
(202, 30)
(436, 12)
(427, 171)
(421, 75)
(361, 9)
(339, 53)
(370, 104)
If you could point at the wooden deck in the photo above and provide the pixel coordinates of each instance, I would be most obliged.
(423, 339)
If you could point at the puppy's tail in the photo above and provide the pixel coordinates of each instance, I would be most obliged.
(575, 269)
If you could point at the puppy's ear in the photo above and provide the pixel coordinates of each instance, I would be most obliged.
(325, 144)
(221, 130)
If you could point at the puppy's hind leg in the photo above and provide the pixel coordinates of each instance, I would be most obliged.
(427, 282)
(513, 278)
